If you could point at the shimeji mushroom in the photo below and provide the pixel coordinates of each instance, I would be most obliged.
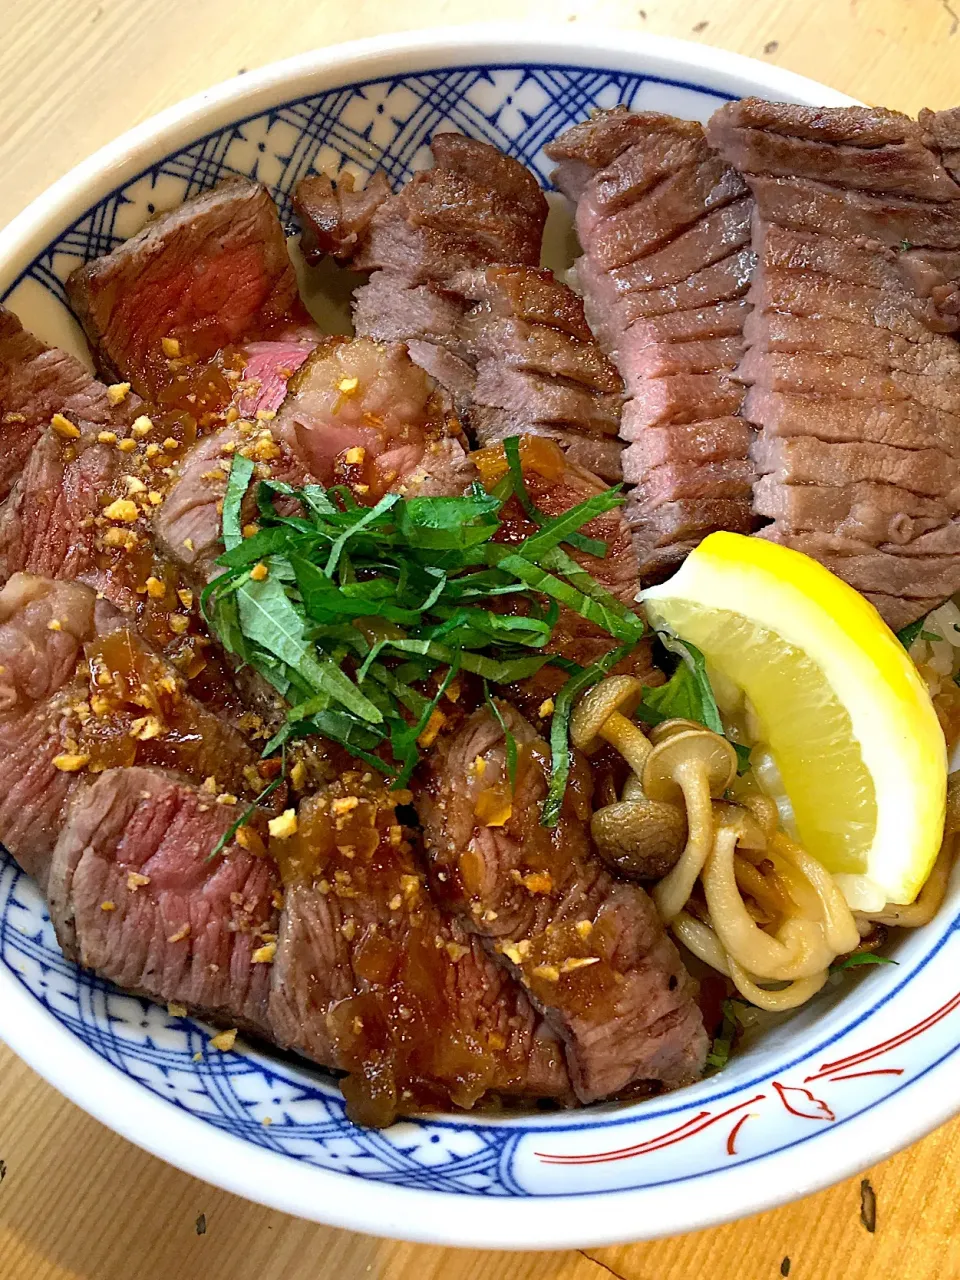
(640, 838)
(636, 836)
(669, 728)
(602, 714)
(693, 766)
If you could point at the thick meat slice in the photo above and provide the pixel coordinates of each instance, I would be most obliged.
(597, 142)
(831, 147)
(807, 460)
(865, 510)
(37, 381)
(267, 370)
(843, 376)
(454, 257)
(598, 454)
(933, 355)
(80, 688)
(335, 216)
(591, 953)
(731, 478)
(898, 571)
(135, 896)
(372, 978)
(670, 207)
(48, 523)
(358, 413)
(902, 423)
(665, 227)
(852, 381)
(665, 534)
(473, 207)
(537, 364)
(211, 272)
(38, 685)
(391, 309)
(712, 440)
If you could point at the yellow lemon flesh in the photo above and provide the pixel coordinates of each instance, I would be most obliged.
(834, 696)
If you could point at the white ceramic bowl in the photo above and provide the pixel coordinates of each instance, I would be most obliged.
(856, 1075)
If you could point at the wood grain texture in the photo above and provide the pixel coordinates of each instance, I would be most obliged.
(78, 1203)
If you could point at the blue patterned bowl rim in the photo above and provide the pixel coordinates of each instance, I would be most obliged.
(534, 1181)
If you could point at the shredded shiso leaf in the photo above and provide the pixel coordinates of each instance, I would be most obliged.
(365, 615)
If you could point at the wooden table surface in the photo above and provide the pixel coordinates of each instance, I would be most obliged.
(75, 1200)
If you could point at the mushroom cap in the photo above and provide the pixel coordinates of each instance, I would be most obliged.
(701, 747)
(640, 839)
(616, 693)
(667, 729)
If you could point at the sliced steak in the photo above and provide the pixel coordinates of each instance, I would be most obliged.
(135, 896)
(902, 423)
(373, 979)
(808, 460)
(212, 272)
(869, 511)
(852, 379)
(665, 227)
(83, 693)
(268, 368)
(591, 953)
(36, 382)
(48, 523)
(38, 685)
(363, 414)
(893, 570)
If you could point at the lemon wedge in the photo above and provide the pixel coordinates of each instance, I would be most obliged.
(833, 695)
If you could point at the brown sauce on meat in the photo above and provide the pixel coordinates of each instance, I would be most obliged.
(406, 961)
(135, 712)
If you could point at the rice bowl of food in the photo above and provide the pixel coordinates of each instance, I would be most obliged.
(477, 636)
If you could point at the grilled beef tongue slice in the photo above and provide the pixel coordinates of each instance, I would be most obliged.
(665, 227)
(592, 953)
(373, 979)
(135, 896)
(850, 362)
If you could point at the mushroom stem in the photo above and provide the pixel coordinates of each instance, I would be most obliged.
(625, 737)
(797, 993)
(633, 789)
(839, 926)
(922, 911)
(675, 887)
(701, 940)
(797, 950)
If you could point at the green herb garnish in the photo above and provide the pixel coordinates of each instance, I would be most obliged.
(860, 958)
(910, 632)
(365, 615)
(726, 1037)
(687, 695)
